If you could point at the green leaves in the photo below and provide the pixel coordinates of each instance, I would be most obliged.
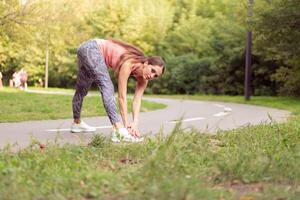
(203, 29)
(277, 29)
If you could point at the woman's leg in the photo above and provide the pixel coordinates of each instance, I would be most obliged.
(83, 84)
(91, 57)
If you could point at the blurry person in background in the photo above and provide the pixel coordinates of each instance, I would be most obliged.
(1, 83)
(23, 79)
(16, 79)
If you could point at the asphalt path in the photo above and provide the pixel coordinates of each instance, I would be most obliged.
(206, 116)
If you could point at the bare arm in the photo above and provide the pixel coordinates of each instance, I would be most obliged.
(122, 92)
(136, 104)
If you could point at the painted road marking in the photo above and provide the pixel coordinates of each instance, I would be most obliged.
(227, 109)
(185, 120)
(219, 105)
(221, 114)
(68, 129)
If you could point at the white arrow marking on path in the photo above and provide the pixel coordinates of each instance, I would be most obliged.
(219, 105)
(67, 129)
(220, 114)
(227, 109)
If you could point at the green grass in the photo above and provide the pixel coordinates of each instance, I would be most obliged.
(52, 89)
(21, 106)
(185, 165)
(253, 162)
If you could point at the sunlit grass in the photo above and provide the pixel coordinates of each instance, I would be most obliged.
(22, 106)
(184, 165)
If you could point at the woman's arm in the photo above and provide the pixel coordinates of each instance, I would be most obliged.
(136, 105)
(122, 92)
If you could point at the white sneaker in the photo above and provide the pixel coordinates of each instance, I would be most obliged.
(122, 134)
(82, 127)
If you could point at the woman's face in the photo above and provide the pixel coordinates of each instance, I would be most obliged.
(151, 72)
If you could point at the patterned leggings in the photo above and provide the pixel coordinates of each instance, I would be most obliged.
(92, 68)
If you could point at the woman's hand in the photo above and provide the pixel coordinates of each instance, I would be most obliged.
(133, 130)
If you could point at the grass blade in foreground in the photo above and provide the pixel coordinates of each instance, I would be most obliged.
(185, 165)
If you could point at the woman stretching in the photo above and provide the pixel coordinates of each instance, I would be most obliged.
(94, 58)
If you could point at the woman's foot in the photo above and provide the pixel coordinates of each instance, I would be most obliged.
(122, 135)
(81, 127)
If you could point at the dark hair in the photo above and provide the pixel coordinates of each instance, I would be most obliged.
(157, 60)
(135, 55)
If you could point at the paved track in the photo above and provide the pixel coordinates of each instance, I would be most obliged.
(203, 115)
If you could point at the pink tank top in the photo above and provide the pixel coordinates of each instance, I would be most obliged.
(111, 52)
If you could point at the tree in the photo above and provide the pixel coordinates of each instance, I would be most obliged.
(278, 32)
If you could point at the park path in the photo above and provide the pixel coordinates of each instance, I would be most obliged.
(206, 116)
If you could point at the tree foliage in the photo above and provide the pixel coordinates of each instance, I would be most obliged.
(278, 32)
(203, 41)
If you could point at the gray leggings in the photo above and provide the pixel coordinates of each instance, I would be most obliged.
(92, 68)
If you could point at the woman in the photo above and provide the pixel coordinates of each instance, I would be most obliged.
(94, 58)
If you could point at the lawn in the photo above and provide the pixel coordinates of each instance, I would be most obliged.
(22, 106)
